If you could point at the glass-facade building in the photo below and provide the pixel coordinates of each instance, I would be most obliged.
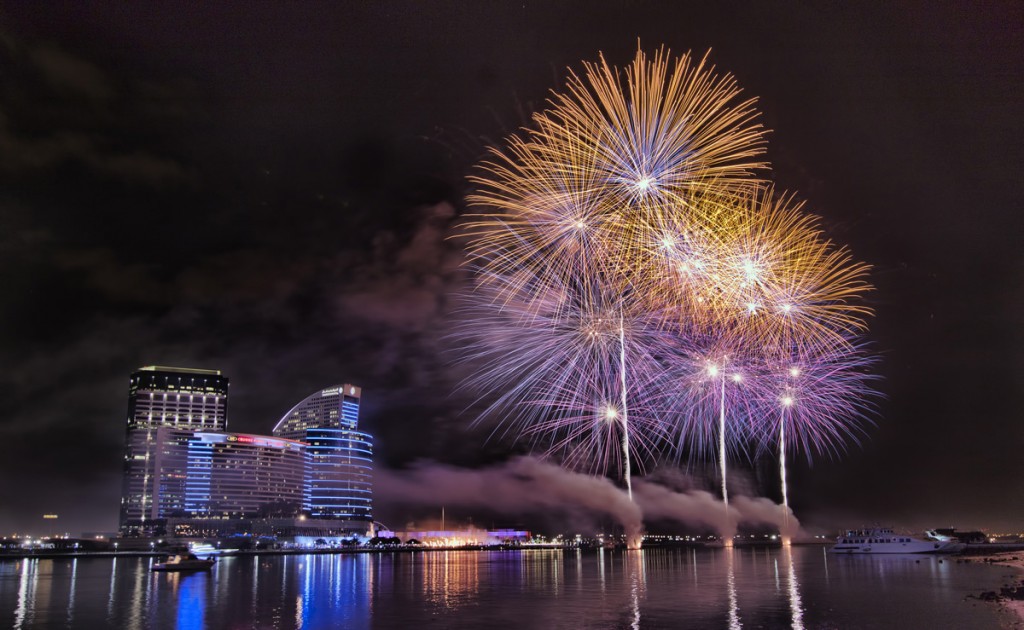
(340, 456)
(238, 475)
(181, 464)
(169, 399)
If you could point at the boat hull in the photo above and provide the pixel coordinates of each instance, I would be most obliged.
(183, 567)
(895, 548)
(884, 540)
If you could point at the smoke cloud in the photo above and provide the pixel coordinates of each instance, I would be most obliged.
(527, 484)
(693, 507)
(520, 485)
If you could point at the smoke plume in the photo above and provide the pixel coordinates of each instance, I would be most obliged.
(520, 485)
(527, 484)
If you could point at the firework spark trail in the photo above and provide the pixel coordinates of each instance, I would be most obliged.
(779, 290)
(625, 409)
(822, 402)
(721, 447)
(558, 362)
(636, 199)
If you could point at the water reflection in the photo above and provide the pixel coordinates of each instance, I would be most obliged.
(26, 591)
(795, 606)
(509, 589)
(110, 597)
(449, 580)
(637, 582)
(191, 603)
(138, 597)
(734, 609)
(71, 590)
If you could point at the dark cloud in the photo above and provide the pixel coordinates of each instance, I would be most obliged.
(66, 74)
(59, 110)
(406, 285)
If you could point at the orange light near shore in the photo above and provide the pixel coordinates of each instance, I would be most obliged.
(49, 516)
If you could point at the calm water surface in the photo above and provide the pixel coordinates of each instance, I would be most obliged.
(659, 588)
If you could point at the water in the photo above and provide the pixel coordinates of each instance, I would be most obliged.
(657, 588)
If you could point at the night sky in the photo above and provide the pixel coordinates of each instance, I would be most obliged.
(268, 192)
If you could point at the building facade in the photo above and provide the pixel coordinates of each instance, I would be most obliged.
(184, 471)
(238, 475)
(340, 456)
(172, 399)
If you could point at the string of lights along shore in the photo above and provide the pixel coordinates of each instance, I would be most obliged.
(185, 475)
(642, 293)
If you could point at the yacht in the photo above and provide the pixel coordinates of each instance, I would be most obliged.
(885, 540)
(186, 562)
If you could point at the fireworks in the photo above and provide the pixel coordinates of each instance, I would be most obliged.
(641, 291)
(554, 352)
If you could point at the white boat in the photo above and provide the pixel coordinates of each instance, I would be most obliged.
(186, 562)
(885, 540)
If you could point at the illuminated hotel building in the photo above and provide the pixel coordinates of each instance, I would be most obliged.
(340, 456)
(183, 469)
(237, 475)
(177, 401)
(210, 475)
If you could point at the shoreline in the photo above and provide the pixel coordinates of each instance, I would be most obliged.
(1013, 606)
(139, 553)
(227, 553)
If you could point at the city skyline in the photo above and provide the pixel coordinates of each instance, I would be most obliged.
(185, 472)
(271, 194)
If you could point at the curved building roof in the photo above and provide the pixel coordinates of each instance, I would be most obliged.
(334, 407)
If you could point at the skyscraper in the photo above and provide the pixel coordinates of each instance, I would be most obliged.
(179, 401)
(340, 456)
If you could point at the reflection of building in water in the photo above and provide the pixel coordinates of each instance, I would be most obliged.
(450, 578)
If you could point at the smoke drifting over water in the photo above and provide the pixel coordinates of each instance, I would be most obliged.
(522, 484)
(694, 507)
(762, 511)
(526, 484)
(701, 508)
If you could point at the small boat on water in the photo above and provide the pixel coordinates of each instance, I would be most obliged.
(186, 562)
(885, 540)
